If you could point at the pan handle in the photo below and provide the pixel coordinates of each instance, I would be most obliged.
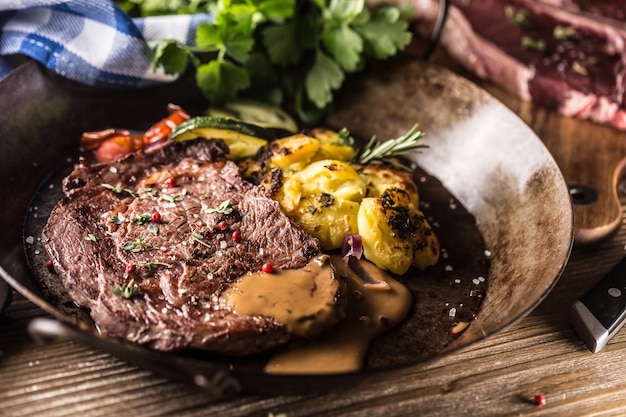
(215, 379)
(438, 26)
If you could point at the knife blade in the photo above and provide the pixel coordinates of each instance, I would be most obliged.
(599, 314)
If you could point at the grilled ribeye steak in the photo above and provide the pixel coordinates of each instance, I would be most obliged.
(148, 245)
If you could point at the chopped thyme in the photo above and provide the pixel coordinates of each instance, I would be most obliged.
(154, 229)
(197, 237)
(115, 219)
(129, 290)
(170, 198)
(563, 32)
(118, 189)
(154, 265)
(225, 208)
(132, 193)
(141, 218)
(519, 17)
(138, 245)
(534, 44)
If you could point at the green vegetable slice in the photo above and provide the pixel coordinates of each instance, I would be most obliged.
(243, 139)
(258, 113)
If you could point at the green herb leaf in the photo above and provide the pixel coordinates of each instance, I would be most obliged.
(154, 265)
(338, 34)
(92, 237)
(345, 45)
(209, 38)
(345, 11)
(324, 76)
(563, 32)
(385, 32)
(154, 229)
(533, 44)
(225, 208)
(170, 198)
(141, 218)
(277, 10)
(172, 55)
(519, 17)
(222, 81)
(197, 237)
(115, 219)
(138, 245)
(282, 43)
(127, 291)
(117, 189)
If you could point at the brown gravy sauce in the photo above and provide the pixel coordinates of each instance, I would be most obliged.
(301, 299)
(371, 311)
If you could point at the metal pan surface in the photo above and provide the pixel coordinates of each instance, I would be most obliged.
(489, 161)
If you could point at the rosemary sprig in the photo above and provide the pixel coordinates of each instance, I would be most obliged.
(386, 151)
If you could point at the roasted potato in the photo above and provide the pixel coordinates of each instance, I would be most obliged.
(395, 234)
(293, 153)
(313, 179)
(378, 178)
(332, 146)
(324, 198)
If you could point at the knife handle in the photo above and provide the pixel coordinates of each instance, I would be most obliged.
(601, 313)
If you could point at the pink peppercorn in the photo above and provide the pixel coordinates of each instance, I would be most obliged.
(237, 236)
(540, 400)
(156, 217)
(267, 268)
(170, 182)
(130, 268)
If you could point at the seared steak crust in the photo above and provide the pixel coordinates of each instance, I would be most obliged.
(102, 237)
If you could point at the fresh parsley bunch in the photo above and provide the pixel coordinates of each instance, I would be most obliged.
(274, 50)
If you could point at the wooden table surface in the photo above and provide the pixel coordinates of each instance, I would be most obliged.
(540, 354)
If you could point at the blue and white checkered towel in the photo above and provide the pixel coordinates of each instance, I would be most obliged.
(89, 41)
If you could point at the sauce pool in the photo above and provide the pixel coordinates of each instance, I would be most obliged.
(371, 310)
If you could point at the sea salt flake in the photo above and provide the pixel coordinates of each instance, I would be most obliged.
(30, 240)
(452, 312)
(448, 268)
(476, 281)
(113, 170)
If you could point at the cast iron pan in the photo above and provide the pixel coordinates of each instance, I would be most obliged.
(490, 184)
